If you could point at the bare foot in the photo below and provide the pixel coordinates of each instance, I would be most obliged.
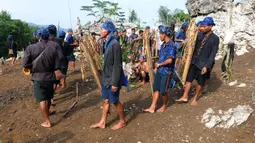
(52, 112)
(162, 109)
(46, 124)
(119, 126)
(149, 110)
(182, 100)
(98, 125)
(63, 86)
(193, 103)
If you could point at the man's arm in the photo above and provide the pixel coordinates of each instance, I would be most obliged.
(59, 57)
(215, 48)
(177, 36)
(167, 62)
(117, 64)
(27, 60)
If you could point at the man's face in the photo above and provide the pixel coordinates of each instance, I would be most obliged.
(120, 34)
(141, 60)
(103, 33)
(70, 32)
(93, 36)
(162, 36)
(115, 34)
(141, 34)
(206, 28)
(133, 31)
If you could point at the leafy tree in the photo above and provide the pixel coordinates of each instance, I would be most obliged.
(181, 16)
(20, 30)
(163, 14)
(133, 18)
(97, 9)
(113, 10)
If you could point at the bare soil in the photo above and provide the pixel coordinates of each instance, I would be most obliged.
(20, 116)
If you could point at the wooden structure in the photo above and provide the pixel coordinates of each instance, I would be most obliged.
(189, 46)
(86, 48)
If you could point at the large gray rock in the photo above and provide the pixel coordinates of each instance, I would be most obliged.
(204, 7)
(228, 16)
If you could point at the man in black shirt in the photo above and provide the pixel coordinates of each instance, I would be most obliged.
(41, 58)
(207, 45)
(112, 74)
(12, 45)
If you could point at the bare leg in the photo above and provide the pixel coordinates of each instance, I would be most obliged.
(198, 92)
(164, 106)
(73, 65)
(63, 82)
(44, 105)
(13, 60)
(176, 62)
(154, 103)
(136, 74)
(186, 93)
(105, 110)
(143, 77)
(122, 122)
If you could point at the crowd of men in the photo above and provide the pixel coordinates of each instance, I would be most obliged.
(50, 53)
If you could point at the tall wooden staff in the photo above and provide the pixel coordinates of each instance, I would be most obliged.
(148, 54)
(83, 66)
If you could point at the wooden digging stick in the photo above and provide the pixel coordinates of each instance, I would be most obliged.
(91, 62)
(149, 59)
(76, 100)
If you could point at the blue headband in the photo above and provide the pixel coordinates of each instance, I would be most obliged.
(61, 34)
(199, 23)
(109, 26)
(148, 27)
(185, 24)
(45, 34)
(208, 21)
(9, 37)
(70, 30)
(52, 30)
(166, 30)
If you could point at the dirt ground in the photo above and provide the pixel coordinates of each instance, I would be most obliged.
(20, 116)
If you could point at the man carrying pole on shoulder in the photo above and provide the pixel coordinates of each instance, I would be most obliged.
(165, 69)
(206, 47)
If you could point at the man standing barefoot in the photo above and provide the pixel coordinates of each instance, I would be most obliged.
(111, 76)
(206, 48)
(165, 68)
(42, 59)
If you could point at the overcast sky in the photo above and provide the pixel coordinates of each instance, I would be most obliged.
(46, 12)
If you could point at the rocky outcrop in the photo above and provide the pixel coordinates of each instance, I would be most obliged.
(205, 7)
(228, 16)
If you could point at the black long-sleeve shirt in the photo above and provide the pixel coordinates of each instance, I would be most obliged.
(43, 69)
(208, 51)
(111, 74)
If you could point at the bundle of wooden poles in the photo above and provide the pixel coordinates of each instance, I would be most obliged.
(188, 49)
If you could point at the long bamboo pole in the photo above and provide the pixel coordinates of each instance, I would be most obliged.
(91, 62)
(82, 58)
(148, 54)
(191, 40)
